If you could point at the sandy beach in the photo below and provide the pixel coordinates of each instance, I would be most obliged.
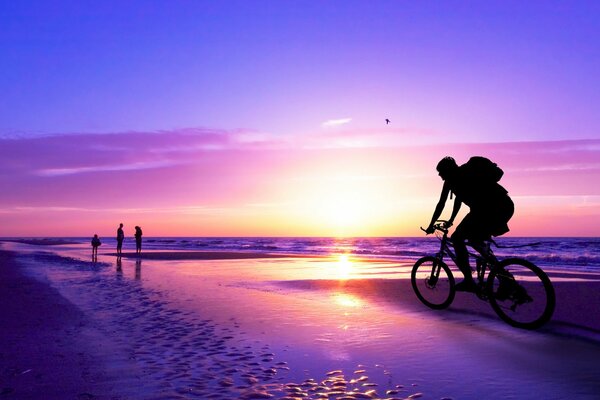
(222, 325)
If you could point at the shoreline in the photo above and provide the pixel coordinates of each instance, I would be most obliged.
(207, 255)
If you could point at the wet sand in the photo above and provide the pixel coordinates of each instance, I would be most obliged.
(576, 292)
(577, 310)
(226, 327)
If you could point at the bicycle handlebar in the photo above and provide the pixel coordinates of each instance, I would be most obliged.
(440, 225)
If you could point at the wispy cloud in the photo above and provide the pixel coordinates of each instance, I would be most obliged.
(348, 137)
(81, 153)
(188, 210)
(42, 209)
(105, 168)
(560, 167)
(336, 122)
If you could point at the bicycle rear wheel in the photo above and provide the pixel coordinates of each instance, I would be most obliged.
(521, 293)
(433, 282)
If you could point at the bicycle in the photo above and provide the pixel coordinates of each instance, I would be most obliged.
(518, 290)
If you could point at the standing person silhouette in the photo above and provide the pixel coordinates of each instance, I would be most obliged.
(120, 238)
(95, 244)
(475, 184)
(138, 240)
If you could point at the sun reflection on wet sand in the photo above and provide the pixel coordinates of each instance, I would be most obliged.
(347, 300)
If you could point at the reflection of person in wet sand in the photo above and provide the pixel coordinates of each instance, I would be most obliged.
(138, 268)
(119, 266)
(95, 244)
(138, 240)
(120, 237)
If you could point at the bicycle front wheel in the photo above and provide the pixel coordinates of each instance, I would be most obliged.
(433, 282)
(521, 293)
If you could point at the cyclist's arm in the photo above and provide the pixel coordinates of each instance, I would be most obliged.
(440, 206)
(455, 210)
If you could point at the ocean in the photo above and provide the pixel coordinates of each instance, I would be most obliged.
(572, 253)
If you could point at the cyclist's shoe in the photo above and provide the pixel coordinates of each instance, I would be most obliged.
(466, 286)
(521, 295)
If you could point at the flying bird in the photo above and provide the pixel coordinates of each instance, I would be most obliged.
(387, 121)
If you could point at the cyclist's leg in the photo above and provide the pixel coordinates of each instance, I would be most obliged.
(460, 235)
(499, 212)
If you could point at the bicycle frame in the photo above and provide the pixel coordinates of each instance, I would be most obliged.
(507, 284)
(484, 257)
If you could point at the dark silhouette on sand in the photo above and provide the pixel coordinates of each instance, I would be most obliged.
(95, 244)
(520, 292)
(475, 184)
(138, 240)
(120, 238)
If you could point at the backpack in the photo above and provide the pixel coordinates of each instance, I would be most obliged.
(482, 170)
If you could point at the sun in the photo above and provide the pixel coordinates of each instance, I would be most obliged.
(343, 205)
(344, 213)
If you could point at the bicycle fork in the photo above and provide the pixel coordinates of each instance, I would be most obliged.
(435, 272)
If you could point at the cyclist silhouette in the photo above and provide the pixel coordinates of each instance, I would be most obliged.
(476, 185)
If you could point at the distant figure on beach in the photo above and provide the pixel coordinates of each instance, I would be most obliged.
(95, 244)
(120, 238)
(138, 240)
(475, 184)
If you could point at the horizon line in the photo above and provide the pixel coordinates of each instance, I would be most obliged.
(292, 237)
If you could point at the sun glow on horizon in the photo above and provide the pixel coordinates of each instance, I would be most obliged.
(354, 198)
(343, 211)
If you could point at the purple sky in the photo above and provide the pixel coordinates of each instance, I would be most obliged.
(265, 117)
(477, 71)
